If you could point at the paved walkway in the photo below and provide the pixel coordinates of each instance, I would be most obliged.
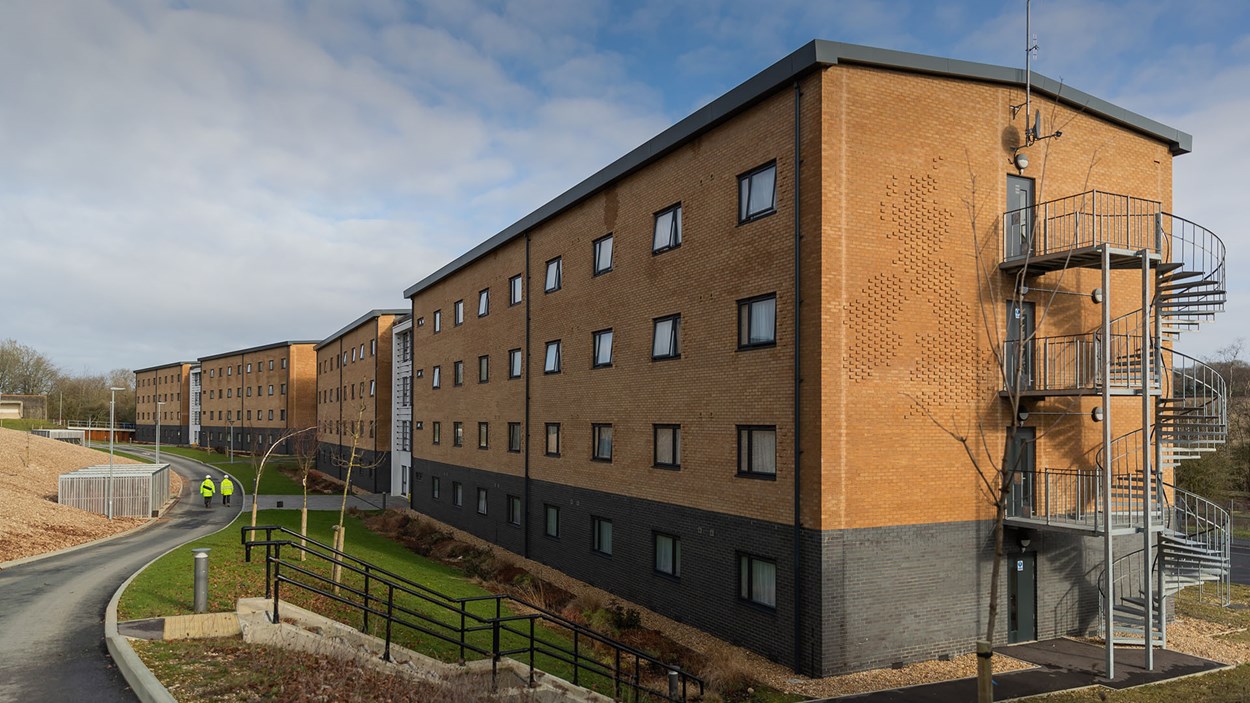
(360, 501)
(1062, 664)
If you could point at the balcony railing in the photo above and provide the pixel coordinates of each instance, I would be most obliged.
(1073, 499)
(1074, 363)
(1085, 220)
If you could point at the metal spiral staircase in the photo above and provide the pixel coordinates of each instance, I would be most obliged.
(1189, 409)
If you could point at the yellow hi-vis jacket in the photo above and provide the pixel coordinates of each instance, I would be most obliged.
(207, 488)
(227, 486)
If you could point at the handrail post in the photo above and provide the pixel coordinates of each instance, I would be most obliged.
(462, 633)
(577, 662)
(532, 650)
(616, 674)
(390, 617)
(268, 568)
(276, 583)
(494, 652)
(365, 610)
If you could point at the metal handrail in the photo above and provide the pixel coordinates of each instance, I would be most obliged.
(1084, 220)
(369, 603)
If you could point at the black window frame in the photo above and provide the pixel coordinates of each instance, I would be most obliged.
(559, 262)
(483, 501)
(547, 427)
(677, 220)
(747, 586)
(516, 289)
(547, 355)
(744, 308)
(483, 434)
(436, 488)
(749, 471)
(515, 427)
(514, 510)
(594, 252)
(675, 558)
(483, 301)
(436, 432)
(483, 368)
(675, 448)
(594, 349)
(596, 430)
(457, 373)
(457, 315)
(457, 494)
(548, 511)
(676, 347)
(436, 377)
(744, 216)
(438, 321)
(457, 433)
(596, 535)
(518, 367)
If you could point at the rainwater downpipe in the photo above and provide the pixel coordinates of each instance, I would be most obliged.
(798, 523)
(525, 357)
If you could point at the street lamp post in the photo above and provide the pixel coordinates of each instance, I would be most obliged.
(159, 403)
(230, 426)
(112, 422)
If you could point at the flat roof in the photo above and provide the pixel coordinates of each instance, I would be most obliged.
(262, 347)
(815, 54)
(170, 365)
(379, 312)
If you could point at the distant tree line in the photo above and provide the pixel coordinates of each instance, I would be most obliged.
(27, 371)
(1225, 473)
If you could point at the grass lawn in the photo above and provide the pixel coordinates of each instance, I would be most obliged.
(26, 425)
(166, 588)
(272, 482)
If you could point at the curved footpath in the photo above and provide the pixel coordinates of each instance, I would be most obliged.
(52, 609)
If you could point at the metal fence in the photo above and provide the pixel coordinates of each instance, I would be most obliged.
(138, 490)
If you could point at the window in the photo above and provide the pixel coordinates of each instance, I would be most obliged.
(602, 535)
(212, 373)
(551, 520)
(438, 321)
(603, 254)
(668, 555)
(271, 364)
(270, 389)
(457, 376)
(667, 230)
(373, 347)
(757, 322)
(481, 501)
(483, 303)
(457, 434)
(282, 415)
(483, 429)
(249, 367)
(229, 370)
(436, 487)
(353, 355)
(552, 362)
(483, 369)
(362, 351)
(555, 269)
(757, 450)
(405, 435)
(664, 345)
(757, 193)
(373, 387)
(514, 290)
(436, 377)
(603, 349)
(284, 362)
(514, 510)
(553, 439)
(271, 415)
(249, 391)
(514, 363)
(282, 389)
(457, 494)
(436, 432)
(514, 436)
(667, 446)
(757, 580)
(458, 317)
(601, 442)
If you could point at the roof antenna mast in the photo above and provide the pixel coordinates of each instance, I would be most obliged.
(1033, 132)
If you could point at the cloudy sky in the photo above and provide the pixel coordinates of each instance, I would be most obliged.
(183, 178)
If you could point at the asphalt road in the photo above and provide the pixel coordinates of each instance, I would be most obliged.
(1240, 558)
(52, 610)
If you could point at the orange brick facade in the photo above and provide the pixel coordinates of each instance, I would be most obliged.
(170, 386)
(892, 290)
(251, 399)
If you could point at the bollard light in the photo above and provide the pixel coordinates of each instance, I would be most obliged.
(201, 579)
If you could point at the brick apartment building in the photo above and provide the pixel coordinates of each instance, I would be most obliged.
(164, 391)
(251, 398)
(703, 377)
(354, 400)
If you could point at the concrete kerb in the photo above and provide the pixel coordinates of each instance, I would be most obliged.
(137, 675)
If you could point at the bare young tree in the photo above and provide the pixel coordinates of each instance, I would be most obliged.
(352, 462)
(305, 448)
(260, 469)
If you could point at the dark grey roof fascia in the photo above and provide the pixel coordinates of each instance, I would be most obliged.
(170, 365)
(360, 321)
(262, 347)
(814, 54)
(829, 53)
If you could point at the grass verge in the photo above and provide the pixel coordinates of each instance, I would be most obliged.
(1228, 686)
(272, 482)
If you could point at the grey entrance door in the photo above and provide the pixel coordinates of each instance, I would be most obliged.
(1019, 352)
(1020, 216)
(1022, 597)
